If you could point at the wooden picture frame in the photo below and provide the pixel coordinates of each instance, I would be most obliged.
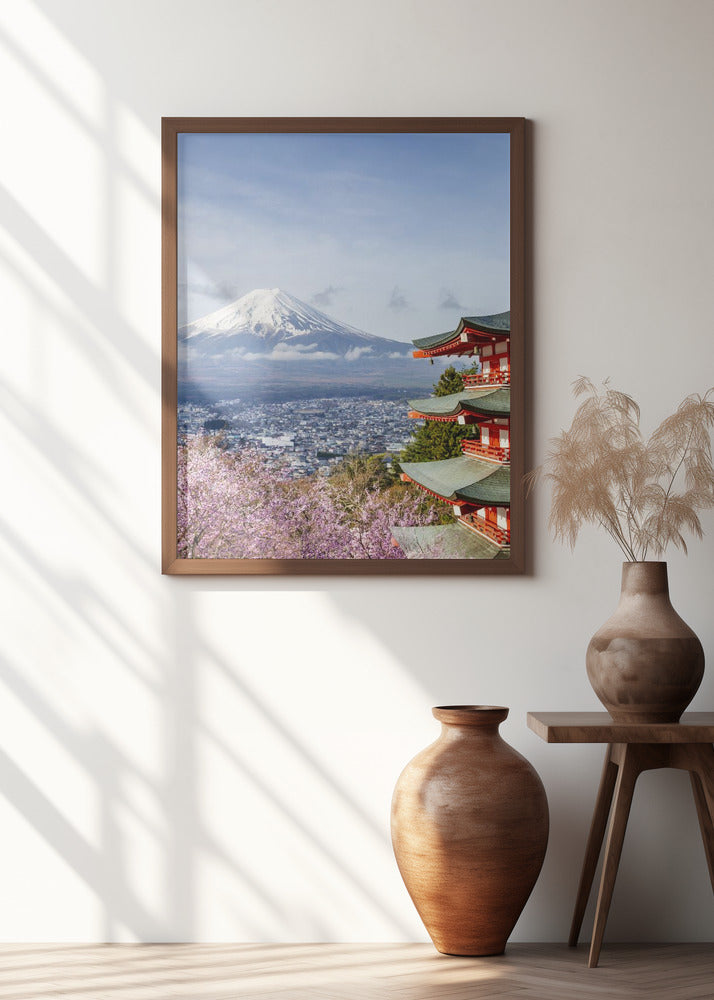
(203, 158)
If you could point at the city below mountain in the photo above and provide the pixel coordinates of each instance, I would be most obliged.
(270, 345)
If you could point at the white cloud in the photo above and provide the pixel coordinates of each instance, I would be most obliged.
(295, 354)
(281, 352)
(356, 352)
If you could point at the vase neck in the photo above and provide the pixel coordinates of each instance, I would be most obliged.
(472, 721)
(470, 715)
(644, 578)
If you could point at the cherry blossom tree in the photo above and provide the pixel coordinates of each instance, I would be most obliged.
(235, 505)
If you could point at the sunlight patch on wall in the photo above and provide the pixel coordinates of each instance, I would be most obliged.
(300, 759)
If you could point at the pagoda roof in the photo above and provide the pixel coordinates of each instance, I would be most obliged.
(484, 329)
(463, 478)
(495, 491)
(445, 541)
(486, 403)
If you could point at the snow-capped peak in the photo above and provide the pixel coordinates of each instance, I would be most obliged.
(269, 313)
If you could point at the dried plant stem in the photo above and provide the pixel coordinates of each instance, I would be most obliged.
(613, 529)
(603, 472)
(685, 451)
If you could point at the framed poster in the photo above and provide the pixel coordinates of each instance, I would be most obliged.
(343, 345)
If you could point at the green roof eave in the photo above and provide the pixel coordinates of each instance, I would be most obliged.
(436, 340)
(463, 478)
(444, 541)
(489, 402)
(494, 324)
(493, 491)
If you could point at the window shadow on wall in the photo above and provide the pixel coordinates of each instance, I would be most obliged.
(111, 602)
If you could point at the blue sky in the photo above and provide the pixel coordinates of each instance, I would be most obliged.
(398, 235)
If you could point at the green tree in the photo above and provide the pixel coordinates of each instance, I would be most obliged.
(450, 381)
(362, 472)
(437, 439)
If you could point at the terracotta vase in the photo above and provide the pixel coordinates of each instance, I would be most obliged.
(469, 829)
(645, 664)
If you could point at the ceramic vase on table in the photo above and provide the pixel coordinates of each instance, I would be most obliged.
(645, 663)
(469, 830)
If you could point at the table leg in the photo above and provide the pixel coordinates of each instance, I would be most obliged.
(705, 770)
(702, 777)
(705, 822)
(594, 844)
(629, 766)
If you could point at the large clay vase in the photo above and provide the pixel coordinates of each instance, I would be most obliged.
(645, 664)
(469, 829)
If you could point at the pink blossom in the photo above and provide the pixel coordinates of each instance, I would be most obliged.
(234, 505)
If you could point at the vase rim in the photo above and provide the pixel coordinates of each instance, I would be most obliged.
(640, 578)
(470, 715)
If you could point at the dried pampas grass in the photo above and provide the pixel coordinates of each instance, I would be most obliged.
(644, 494)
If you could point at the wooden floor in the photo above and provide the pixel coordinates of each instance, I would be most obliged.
(351, 972)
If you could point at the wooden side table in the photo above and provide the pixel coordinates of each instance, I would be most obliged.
(631, 749)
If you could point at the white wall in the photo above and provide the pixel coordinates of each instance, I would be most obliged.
(214, 759)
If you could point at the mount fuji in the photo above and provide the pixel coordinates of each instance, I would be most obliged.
(269, 323)
(269, 344)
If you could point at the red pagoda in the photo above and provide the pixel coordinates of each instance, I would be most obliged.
(477, 483)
